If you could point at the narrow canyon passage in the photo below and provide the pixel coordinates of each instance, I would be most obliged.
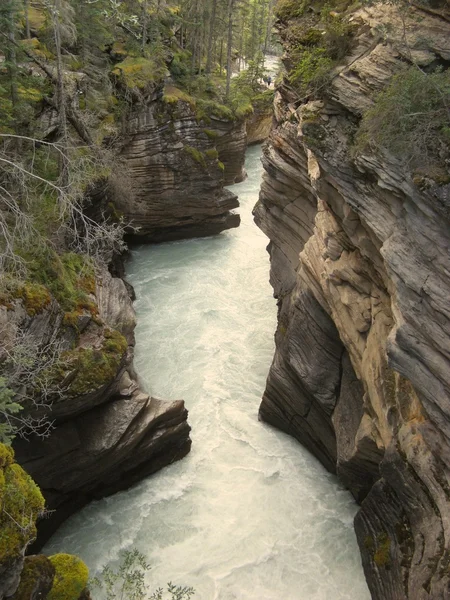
(249, 514)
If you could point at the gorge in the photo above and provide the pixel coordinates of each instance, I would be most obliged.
(248, 513)
(354, 202)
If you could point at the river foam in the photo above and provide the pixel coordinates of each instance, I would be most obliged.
(249, 514)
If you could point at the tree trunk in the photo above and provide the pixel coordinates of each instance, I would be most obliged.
(229, 45)
(144, 26)
(26, 4)
(11, 55)
(60, 95)
(269, 25)
(212, 23)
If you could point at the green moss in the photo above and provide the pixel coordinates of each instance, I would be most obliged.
(37, 575)
(196, 155)
(212, 135)
(137, 72)
(35, 297)
(221, 165)
(92, 368)
(21, 503)
(36, 17)
(6, 457)
(211, 153)
(69, 277)
(173, 95)
(382, 555)
(206, 109)
(71, 577)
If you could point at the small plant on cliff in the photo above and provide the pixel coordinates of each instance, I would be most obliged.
(128, 581)
(410, 118)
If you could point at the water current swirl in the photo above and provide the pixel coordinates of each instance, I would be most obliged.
(249, 514)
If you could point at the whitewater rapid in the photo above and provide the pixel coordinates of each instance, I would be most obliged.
(248, 514)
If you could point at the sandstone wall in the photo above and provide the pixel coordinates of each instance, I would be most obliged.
(361, 269)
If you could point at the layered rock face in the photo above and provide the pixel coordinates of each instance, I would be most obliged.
(361, 269)
(178, 166)
(108, 432)
(258, 126)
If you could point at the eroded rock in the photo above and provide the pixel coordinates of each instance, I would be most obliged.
(360, 267)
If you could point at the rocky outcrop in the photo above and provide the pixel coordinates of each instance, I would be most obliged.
(177, 163)
(360, 267)
(258, 126)
(108, 433)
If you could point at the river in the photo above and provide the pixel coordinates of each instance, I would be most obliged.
(249, 514)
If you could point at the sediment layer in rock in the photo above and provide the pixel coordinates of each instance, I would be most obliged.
(177, 168)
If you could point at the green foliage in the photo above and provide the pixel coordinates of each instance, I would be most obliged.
(21, 503)
(128, 581)
(179, 66)
(71, 577)
(290, 9)
(136, 72)
(312, 70)
(410, 118)
(210, 108)
(196, 155)
(69, 278)
(8, 408)
(35, 297)
(173, 95)
(315, 42)
(211, 134)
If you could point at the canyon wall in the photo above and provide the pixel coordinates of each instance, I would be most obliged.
(107, 433)
(360, 266)
(177, 163)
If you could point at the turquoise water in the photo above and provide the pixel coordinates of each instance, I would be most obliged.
(249, 514)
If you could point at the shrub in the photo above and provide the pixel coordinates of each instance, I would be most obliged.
(196, 155)
(290, 9)
(312, 70)
(410, 118)
(128, 581)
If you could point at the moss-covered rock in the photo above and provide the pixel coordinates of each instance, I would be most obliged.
(136, 72)
(36, 578)
(71, 577)
(21, 503)
(35, 297)
(89, 369)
